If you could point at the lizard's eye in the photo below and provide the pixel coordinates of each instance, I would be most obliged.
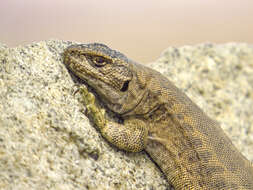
(99, 61)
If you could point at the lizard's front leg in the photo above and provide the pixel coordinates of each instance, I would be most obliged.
(130, 136)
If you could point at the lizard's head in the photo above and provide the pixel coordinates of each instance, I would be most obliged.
(108, 72)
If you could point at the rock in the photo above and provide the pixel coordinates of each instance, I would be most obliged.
(46, 141)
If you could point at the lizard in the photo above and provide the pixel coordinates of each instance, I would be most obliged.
(154, 115)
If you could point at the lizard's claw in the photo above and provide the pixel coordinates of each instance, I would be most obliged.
(94, 112)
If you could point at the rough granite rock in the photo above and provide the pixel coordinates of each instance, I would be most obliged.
(46, 142)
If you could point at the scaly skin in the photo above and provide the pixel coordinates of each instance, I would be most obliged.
(190, 148)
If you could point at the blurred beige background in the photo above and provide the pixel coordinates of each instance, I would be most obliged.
(141, 29)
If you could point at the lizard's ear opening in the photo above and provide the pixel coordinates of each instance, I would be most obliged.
(125, 86)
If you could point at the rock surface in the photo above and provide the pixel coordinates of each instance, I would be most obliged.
(46, 142)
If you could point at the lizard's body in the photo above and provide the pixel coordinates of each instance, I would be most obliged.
(190, 148)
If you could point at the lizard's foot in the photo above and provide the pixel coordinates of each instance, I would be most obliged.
(94, 112)
(130, 137)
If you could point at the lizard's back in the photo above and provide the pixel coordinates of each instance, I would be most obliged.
(192, 149)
